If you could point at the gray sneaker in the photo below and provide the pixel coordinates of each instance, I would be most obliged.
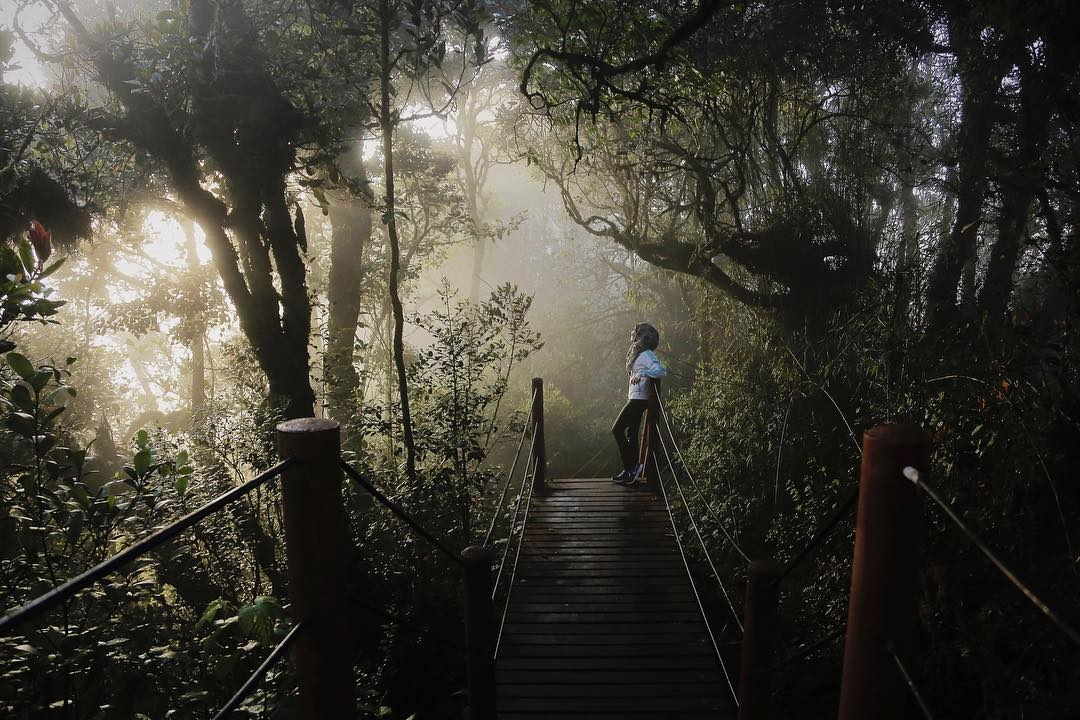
(622, 478)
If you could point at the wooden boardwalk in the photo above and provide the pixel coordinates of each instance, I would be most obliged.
(602, 621)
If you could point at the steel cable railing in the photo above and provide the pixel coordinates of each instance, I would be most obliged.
(891, 649)
(693, 584)
(701, 540)
(697, 487)
(510, 475)
(68, 589)
(396, 510)
(252, 682)
(914, 476)
(820, 534)
(525, 477)
(589, 462)
(517, 553)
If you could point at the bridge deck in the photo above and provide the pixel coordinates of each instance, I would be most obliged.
(602, 620)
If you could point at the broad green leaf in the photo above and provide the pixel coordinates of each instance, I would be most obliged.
(142, 461)
(22, 367)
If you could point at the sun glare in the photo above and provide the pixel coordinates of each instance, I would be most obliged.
(166, 241)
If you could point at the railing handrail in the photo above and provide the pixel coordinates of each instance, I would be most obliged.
(525, 476)
(400, 513)
(694, 482)
(915, 477)
(534, 463)
(264, 667)
(697, 532)
(69, 589)
(820, 534)
(513, 468)
(693, 585)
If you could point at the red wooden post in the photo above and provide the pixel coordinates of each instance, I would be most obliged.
(316, 548)
(540, 474)
(759, 640)
(480, 632)
(649, 448)
(884, 577)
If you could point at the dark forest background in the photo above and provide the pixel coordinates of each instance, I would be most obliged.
(217, 214)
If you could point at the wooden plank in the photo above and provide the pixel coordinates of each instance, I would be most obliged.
(601, 621)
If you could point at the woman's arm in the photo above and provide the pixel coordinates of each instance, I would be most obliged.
(652, 367)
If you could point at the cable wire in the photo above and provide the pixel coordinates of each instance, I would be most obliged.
(513, 572)
(891, 647)
(404, 516)
(510, 475)
(513, 522)
(694, 525)
(913, 475)
(67, 590)
(589, 462)
(697, 486)
(693, 585)
(819, 535)
(250, 684)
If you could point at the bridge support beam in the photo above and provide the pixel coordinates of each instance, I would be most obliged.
(759, 640)
(317, 552)
(540, 472)
(479, 632)
(884, 576)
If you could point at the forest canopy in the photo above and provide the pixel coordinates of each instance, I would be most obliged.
(217, 215)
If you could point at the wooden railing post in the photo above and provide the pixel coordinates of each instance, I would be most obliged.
(884, 576)
(649, 447)
(759, 640)
(316, 549)
(540, 474)
(479, 632)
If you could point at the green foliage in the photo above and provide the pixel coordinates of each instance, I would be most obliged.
(772, 426)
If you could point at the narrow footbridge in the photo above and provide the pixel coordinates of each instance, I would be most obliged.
(601, 619)
(587, 599)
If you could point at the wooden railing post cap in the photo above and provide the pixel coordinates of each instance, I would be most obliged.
(306, 425)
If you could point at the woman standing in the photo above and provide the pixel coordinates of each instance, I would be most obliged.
(642, 366)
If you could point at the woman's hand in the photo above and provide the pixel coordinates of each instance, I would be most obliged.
(635, 379)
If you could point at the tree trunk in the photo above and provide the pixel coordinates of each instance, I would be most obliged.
(1018, 190)
(387, 123)
(979, 84)
(196, 343)
(350, 232)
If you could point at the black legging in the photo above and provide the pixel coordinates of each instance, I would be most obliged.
(626, 429)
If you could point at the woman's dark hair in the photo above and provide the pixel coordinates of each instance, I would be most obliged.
(646, 336)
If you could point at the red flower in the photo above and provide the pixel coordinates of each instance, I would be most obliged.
(41, 239)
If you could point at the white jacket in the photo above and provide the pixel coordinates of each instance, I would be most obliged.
(646, 367)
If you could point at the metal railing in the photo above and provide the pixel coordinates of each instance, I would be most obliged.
(69, 589)
(316, 544)
(881, 610)
(476, 561)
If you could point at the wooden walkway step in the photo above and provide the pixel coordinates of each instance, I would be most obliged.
(602, 622)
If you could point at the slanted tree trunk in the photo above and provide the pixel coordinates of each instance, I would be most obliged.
(241, 123)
